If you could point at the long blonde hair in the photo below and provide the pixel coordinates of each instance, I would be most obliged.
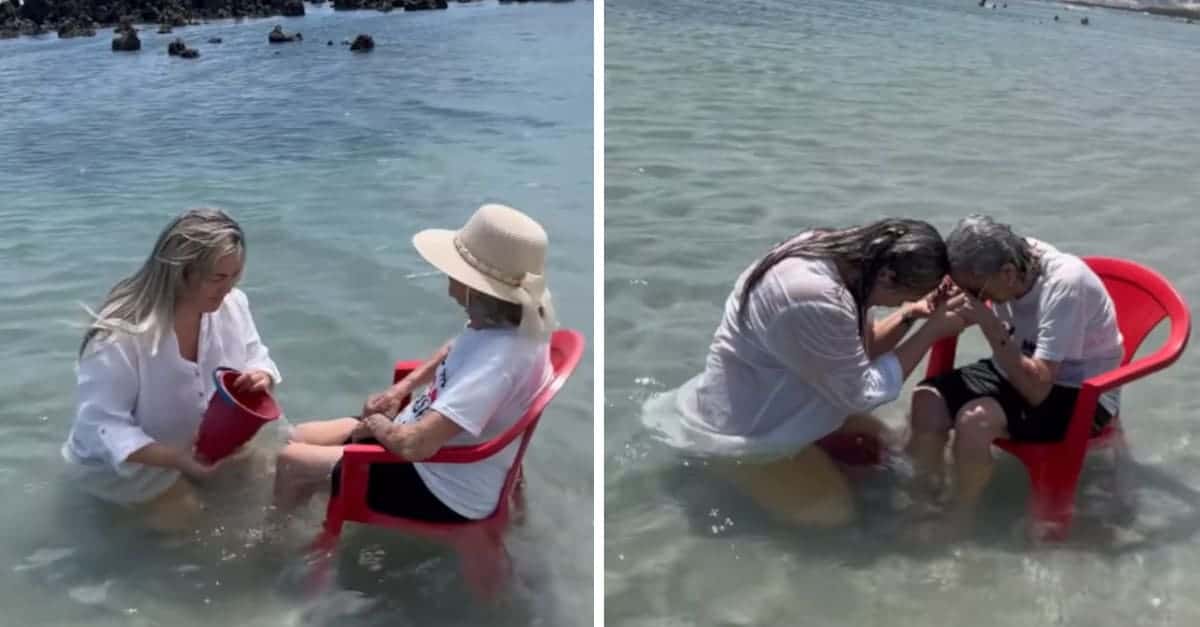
(144, 302)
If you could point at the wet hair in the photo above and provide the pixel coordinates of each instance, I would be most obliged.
(144, 302)
(912, 249)
(981, 246)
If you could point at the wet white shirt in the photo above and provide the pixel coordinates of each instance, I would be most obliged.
(131, 393)
(485, 385)
(789, 375)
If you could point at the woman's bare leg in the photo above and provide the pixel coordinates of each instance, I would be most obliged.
(326, 432)
(806, 489)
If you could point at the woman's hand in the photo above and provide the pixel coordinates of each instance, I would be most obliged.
(974, 311)
(923, 308)
(946, 319)
(387, 403)
(361, 432)
(196, 469)
(253, 381)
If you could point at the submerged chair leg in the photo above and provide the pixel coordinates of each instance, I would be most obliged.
(1052, 500)
(486, 565)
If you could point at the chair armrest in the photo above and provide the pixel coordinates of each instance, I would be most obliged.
(366, 454)
(404, 368)
(1134, 370)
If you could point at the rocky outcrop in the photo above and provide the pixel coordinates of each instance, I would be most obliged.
(388, 5)
(292, 8)
(277, 36)
(126, 41)
(362, 43)
(424, 5)
(74, 18)
(72, 28)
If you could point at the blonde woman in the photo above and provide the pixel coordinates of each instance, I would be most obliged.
(146, 362)
(475, 387)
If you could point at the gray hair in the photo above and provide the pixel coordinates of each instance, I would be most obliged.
(981, 246)
(144, 302)
(489, 312)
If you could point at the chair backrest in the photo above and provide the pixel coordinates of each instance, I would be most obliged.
(1143, 298)
(566, 349)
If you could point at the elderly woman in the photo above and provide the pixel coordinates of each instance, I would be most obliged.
(1050, 325)
(478, 385)
(797, 357)
(145, 364)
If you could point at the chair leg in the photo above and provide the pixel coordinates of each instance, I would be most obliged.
(320, 566)
(1124, 498)
(1052, 499)
(486, 566)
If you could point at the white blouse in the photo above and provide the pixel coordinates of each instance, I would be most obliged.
(786, 377)
(131, 393)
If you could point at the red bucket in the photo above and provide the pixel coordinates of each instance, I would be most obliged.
(232, 417)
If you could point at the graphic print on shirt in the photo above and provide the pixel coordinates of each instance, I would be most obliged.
(426, 399)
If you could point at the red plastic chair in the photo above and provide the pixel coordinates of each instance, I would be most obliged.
(479, 543)
(1142, 298)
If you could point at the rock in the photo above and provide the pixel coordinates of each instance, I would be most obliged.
(1084, 21)
(189, 53)
(424, 5)
(1055, 18)
(165, 29)
(71, 28)
(277, 36)
(36, 11)
(215, 40)
(362, 43)
(330, 43)
(175, 48)
(126, 41)
(293, 8)
(345, 42)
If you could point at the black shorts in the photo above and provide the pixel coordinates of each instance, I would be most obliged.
(397, 490)
(1045, 423)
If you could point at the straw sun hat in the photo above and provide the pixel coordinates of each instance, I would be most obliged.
(500, 252)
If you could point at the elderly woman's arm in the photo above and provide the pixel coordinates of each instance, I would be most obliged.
(389, 401)
(414, 441)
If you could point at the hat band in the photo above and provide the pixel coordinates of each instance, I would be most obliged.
(508, 278)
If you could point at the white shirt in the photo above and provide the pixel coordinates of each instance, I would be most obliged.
(786, 377)
(1067, 317)
(131, 393)
(485, 385)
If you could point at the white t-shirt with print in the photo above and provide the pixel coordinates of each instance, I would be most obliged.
(486, 383)
(1067, 317)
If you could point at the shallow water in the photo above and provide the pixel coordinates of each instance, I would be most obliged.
(331, 161)
(730, 126)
